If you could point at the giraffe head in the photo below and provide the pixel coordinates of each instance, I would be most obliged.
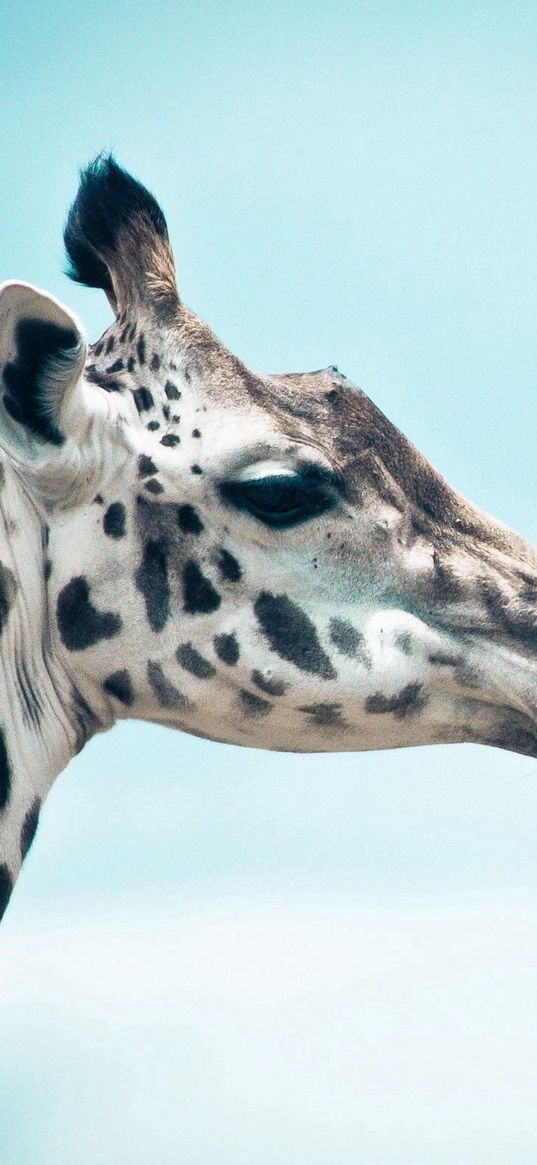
(260, 559)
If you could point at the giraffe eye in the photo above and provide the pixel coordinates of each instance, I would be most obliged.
(280, 500)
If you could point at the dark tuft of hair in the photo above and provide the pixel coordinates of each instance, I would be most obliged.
(108, 198)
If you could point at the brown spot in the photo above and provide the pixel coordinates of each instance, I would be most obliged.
(268, 684)
(253, 705)
(154, 486)
(29, 827)
(324, 715)
(406, 703)
(349, 641)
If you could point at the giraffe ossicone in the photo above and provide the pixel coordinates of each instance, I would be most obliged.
(263, 560)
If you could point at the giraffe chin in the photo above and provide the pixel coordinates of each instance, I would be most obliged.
(498, 727)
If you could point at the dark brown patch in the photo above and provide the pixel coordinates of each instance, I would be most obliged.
(349, 641)
(227, 648)
(444, 659)
(168, 696)
(8, 590)
(272, 686)
(324, 715)
(292, 635)
(143, 399)
(154, 486)
(103, 380)
(406, 703)
(517, 622)
(5, 771)
(6, 887)
(194, 662)
(146, 466)
(114, 520)
(253, 705)
(172, 391)
(119, 684)
(189, 520)
(29, 827)
(200, 597)
(80, 624)
(228, 566)
(152, 580)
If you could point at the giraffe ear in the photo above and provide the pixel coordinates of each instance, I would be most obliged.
(42, 354)
(116, 238)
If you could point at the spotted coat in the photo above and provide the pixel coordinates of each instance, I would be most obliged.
(260, 559)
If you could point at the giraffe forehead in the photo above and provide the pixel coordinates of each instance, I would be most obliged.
(160, 364)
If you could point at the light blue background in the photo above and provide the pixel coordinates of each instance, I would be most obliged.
(222, 957)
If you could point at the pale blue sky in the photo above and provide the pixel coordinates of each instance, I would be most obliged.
(218, 956)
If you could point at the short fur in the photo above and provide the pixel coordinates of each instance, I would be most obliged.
(113, 224)
(264, 560)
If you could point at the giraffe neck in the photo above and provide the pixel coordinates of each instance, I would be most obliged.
(43, 720)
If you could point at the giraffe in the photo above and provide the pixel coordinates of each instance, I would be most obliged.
(263, 560)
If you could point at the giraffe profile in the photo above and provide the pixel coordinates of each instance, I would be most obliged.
(263, 560)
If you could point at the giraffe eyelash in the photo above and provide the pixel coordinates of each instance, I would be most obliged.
(281, 500)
